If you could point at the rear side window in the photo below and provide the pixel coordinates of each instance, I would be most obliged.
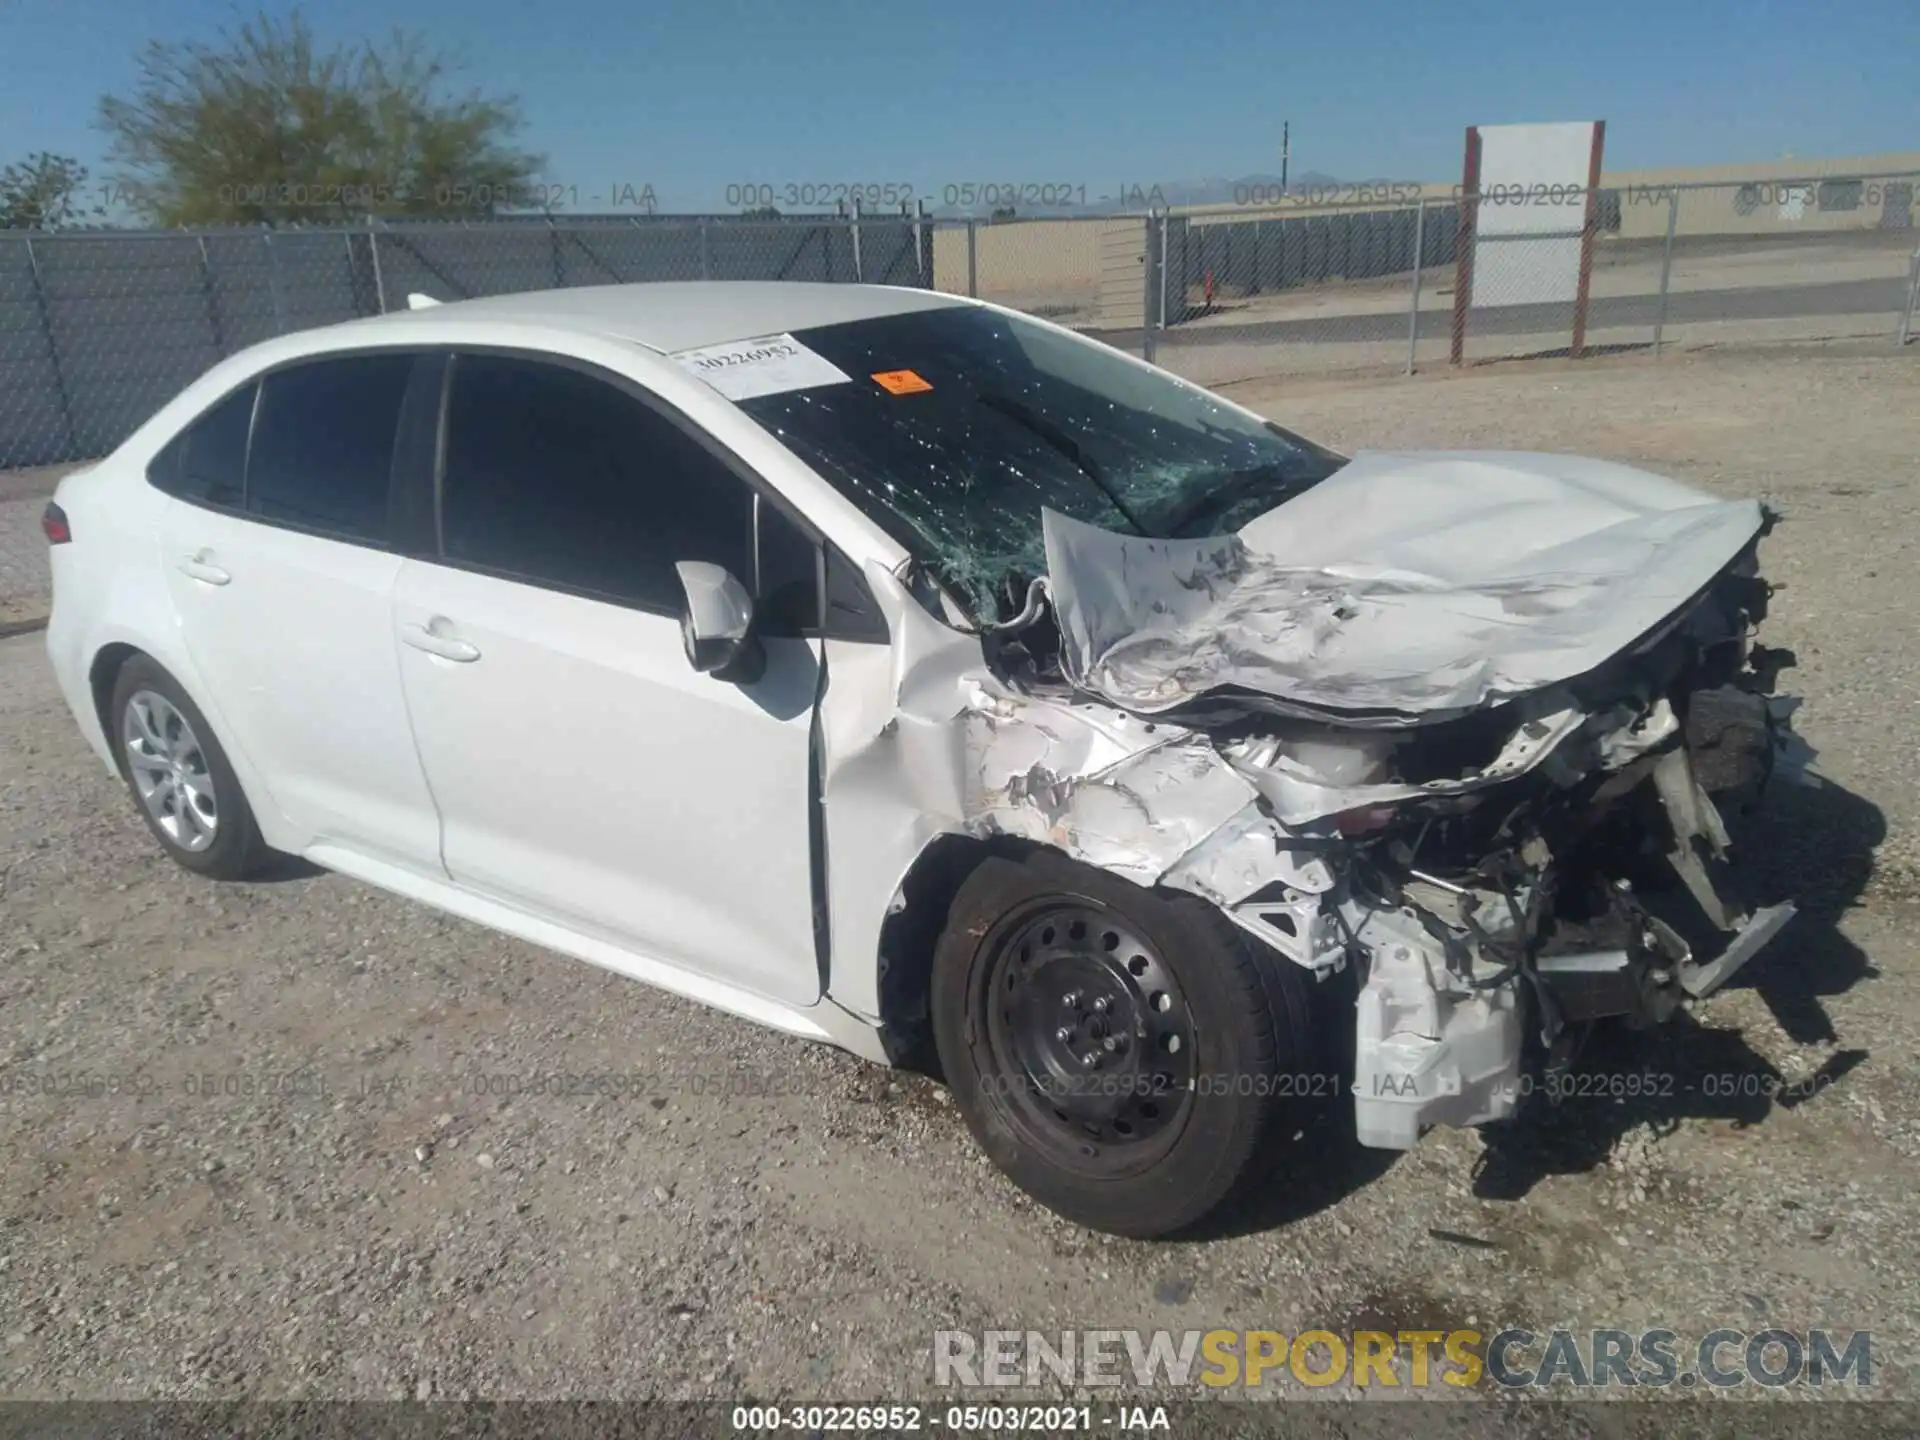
(322, 454)
(207, 461)
(562, 479)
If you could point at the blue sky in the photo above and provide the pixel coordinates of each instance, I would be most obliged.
(691, 97)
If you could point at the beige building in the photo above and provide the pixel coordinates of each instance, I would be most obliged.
(1762, 197)
(1770, 197)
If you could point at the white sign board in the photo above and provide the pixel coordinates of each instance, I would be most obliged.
(764, 365)
(1532, 213)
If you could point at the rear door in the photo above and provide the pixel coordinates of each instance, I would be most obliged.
(279, 560)
(585, 772)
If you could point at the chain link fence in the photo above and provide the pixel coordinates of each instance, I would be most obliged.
(98, 330)
(24, 580)
(1443, 281)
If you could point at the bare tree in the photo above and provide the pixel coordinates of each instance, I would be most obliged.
(264, 125)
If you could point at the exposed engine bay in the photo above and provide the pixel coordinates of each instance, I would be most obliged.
(1517, 837)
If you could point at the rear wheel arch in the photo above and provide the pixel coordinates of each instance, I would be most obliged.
(184, 787)
(102, 676)
(103, 679)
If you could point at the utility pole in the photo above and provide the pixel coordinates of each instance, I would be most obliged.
(1286, 149)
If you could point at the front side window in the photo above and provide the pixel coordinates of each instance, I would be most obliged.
(557, 477)
(958, 425)
(322, 456)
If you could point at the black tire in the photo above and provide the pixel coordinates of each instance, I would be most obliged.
(236, 849)
(1142, 1146)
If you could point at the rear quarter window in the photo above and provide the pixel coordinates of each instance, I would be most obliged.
(207, 462)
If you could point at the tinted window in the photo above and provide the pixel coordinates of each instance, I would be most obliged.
(788, 595)
(207, 460)
(323, 444)
(561, 478)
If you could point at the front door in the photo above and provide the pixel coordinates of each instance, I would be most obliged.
(584, 771)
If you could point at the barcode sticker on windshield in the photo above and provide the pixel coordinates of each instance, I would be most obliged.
(765, 365)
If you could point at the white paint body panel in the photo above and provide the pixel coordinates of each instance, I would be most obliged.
(1407, 584)
(296, 653)
(587, 774)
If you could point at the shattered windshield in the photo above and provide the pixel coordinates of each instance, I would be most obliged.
(959, 425)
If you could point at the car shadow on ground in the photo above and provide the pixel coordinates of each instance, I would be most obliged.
(1811, 844)
(1814, 845)
(281, 868)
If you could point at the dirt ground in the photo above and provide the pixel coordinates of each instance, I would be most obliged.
(292, 1138)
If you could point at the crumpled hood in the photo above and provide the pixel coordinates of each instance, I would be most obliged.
(1411, 585)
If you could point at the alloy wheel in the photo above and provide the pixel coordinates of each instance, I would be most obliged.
(170, 771)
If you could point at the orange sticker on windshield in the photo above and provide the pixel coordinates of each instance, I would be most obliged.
(900, 382)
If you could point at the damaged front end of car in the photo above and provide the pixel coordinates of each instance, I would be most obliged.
(1493, 787)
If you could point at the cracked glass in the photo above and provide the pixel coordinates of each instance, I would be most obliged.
(959, 425)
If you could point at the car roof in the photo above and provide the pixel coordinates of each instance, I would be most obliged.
(673, 315)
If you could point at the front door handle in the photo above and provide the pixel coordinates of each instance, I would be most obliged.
(430, 638)
(200, 568)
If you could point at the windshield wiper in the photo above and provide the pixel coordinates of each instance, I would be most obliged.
(1060, 440)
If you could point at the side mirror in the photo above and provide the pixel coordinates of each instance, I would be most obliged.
(716, 624)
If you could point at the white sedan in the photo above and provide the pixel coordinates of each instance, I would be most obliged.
(884, 666)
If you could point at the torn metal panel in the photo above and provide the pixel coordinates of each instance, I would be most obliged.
(1406, 588)
(919, 739)
(1044, 773)
(1300, 795)
(892, 768)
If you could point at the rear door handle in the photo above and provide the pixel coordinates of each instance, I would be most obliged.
(429, 638)
(200, 568)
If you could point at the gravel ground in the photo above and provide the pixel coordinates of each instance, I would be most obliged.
(367, 1217)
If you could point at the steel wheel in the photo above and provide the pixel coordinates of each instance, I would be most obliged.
(170, 771)
(1088, 1024)
(1080, 1017)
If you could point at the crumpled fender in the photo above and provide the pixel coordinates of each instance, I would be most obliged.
(919, 740)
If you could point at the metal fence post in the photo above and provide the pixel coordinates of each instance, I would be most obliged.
(379, 284)
(973, 260)
(920, 275)
(1913, 298)
(1160, 319)
(706, 259)
(1413, 299)
(206, 286)
(273, 282)
(53, 352)
(859, 274)
(1666, 268)
(1147, 318)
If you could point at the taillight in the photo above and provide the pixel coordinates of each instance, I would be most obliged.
(53, 524)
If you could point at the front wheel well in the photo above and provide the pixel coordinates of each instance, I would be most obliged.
(101, 678)
(913, 927)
